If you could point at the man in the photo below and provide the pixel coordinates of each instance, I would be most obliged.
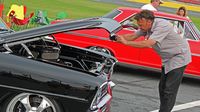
(153, 6)
(173, 50)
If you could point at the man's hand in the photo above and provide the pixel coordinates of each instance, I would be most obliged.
(121, 39)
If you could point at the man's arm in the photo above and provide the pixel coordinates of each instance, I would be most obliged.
(129, 37)
(140, 44)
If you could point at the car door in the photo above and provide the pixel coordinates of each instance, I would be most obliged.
(127, 54)
(191, 33)
(147, 57)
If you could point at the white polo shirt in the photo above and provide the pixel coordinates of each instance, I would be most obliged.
(148, 7)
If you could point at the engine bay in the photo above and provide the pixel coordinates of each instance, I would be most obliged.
(46, 49)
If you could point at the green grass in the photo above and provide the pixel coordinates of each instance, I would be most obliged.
(75, 9)
(196, 21)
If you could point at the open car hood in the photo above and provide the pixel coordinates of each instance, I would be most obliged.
(110, 25)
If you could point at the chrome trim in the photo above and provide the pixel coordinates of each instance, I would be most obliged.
(24, 99)
(91, 106)
(7, 48)
(87, 35)
(112, 84)
(42, 92)
(104, 101)
(194, 54)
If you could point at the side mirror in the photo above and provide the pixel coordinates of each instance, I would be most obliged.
(113, 37)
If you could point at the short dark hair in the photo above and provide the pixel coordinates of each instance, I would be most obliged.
(182, 8)
(146, 14)
(152, 1)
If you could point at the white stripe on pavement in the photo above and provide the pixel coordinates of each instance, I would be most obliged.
(183, 106)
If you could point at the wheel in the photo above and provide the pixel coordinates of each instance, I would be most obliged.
(100, 49)
(27, 102)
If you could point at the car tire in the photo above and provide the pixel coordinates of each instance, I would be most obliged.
(25, 102)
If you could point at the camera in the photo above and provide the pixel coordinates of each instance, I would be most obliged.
(113, 37)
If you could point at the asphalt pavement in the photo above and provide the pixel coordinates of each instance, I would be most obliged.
(136, 90)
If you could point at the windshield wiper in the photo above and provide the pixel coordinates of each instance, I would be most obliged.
(4, 29)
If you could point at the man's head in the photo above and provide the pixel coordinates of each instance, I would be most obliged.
(159, 1)
(145, 19)
(156, 3)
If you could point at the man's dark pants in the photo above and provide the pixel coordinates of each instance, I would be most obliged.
(168, 88)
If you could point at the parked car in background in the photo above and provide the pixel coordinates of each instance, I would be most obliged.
(4, 27)
(97, 39)
(38, 74)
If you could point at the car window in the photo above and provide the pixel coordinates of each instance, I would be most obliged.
(178, 27)
(130, 23)
(188, 34)
(182, 28)
(196, 30)
(112, 14)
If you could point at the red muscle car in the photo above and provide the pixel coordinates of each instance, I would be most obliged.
(98, 39)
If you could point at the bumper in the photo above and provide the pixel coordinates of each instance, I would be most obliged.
(112, 84)
(104, 105)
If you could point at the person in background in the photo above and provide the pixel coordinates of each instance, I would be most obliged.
(153, 6)
(182, 11)
(173, 50)
(178, 26)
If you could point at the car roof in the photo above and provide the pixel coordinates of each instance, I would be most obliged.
(128, 11)
(109, 24)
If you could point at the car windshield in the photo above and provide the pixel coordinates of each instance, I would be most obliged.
(112, 14)
(195, 29)
(4, 28)
(3, 25)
